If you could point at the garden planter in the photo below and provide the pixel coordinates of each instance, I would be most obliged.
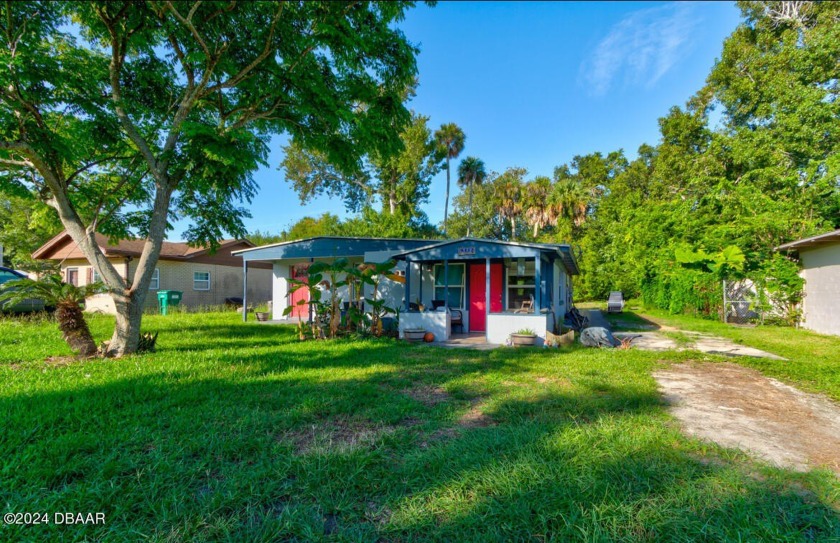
(523, 339)
(566, 339)
(262, 316)
(414, 335)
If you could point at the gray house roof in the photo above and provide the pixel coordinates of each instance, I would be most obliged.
(329, 247)
(490, 248)
(813, 241)
(336, 246)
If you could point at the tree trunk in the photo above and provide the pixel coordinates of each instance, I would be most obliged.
(392, 200)
(127, 327)
(469, 216)
(74, 328)
(446, 204)
(536, 230)
(129, 302)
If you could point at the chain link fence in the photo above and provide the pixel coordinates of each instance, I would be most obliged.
(740, 302)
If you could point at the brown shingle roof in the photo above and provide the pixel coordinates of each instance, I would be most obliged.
(170, 250)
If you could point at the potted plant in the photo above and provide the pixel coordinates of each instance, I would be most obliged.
(262, 313)
(414, 334)
(525, 336)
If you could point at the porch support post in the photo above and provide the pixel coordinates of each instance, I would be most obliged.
(486, 298)
(244, 290)
(537, 284)
(309, 305)
(420, 278)
(446, 283)
(407, 292)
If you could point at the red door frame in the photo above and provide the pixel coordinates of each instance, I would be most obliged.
(478, 289)
(300, 311)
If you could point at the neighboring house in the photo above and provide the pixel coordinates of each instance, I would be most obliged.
(205, 279)
(528, 284)
(820, 260)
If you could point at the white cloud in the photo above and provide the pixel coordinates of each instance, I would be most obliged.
(642, 47)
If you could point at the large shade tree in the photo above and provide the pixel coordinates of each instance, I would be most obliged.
(125, 116)
(401, 180)
(471, 172)
(451, 139)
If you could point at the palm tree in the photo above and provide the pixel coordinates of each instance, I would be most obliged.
(450, 138)
(67, 300)
(571, 200)
(471, 171)
(540, 207)
(509, 197)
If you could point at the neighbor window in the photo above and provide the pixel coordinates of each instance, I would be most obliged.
(94, 276)
(72, 276)
(456, 284)
(201, 281)
(520, 283)
(154, 284)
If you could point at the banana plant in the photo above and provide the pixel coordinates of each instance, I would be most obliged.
(373, 275)
(313, 279)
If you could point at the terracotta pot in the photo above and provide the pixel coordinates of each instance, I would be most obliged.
(429, 337)
(523, 339)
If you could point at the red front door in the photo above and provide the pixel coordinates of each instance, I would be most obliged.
(299, 273)
(478, 287)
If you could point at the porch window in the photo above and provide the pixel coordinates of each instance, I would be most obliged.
(456, 284)
(521, 283)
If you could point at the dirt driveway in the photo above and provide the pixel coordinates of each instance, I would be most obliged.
(739, 407)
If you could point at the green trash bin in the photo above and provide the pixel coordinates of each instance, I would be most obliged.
(167, 298)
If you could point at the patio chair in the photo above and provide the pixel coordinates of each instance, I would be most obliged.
(457, 319)
(527, 306)
(615, 303)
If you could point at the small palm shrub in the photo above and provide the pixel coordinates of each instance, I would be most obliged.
(67, 300)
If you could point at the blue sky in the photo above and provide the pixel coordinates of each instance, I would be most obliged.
(533, 84)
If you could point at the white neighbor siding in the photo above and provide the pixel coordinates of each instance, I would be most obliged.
(821, 271)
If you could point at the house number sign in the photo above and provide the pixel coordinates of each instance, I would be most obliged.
(465, 251)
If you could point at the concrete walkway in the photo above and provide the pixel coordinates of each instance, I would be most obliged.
(696, 341)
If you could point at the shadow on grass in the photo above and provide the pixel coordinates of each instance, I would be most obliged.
(192, 452)
(629, 321)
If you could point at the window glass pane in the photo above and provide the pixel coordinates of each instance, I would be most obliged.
(456, 274)
(201, 280)
(456, 296)
(154, 284)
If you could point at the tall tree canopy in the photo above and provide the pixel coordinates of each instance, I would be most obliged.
(400, 179)
(767, 171)
(124, 115)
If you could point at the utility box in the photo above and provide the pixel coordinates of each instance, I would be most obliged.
(167, 298)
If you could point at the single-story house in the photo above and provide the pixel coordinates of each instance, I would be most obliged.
(819, 257)
(205, 279)
(527, 285)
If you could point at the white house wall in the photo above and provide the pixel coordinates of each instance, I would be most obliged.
(821, 271)
(280, 289)
(500, 326)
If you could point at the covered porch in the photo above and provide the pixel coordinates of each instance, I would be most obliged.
(485, 287)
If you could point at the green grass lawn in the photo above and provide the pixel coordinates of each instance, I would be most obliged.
(238, 432)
